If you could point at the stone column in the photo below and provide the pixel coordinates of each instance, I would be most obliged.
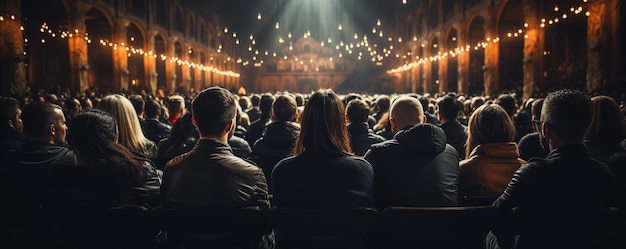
(170, 67)
(531, 64)
(151, 75)
(78, 49)
(443, 73)
(596, 40)
(12, 66)
(120, 55)
(491, 69)
(462, 61)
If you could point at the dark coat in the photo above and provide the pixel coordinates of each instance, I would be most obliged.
(10, 140)
(240, 147)
(36, 170)
(275, 145)
(210, 175)
(255, 130)
(530, 146)
(415, 168)
(456, 134)
(322, 180)
(567, 177)
(155, 130)
(362, 137)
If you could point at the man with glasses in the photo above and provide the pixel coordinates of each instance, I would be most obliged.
(567, 178)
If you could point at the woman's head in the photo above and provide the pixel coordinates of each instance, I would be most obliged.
(607, 122)
(489, 124)
(123, 112)
(91, 133)
(323, 125)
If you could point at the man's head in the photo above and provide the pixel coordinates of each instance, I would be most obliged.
(214, 111)
(565, 117)
(152, 109)
(507, 102)
(176, 105)
(44, 121)
(10, 113)
(265, 104)
(383, 103)
(284, 108)
(448, 109)
(138, 103)
(405, 111)
(357, 111)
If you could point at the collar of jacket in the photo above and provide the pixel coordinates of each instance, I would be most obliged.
(205, 144)
(497, 150)
(357, 128)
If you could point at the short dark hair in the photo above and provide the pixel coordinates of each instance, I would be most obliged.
(37, 116)
(383, 103)
(284, 108)
(448, 108)
(8, 109)
(212, 109)
(357, 111)
(152, 108)
(265, 104)
(255, 99)
(570, 113)
(507, 102)
(138, 103)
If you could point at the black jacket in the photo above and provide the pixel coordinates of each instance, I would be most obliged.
(275, 145)
(362, 137)
(322, 180)
(10, 140)
(568, 177)
(457, 136)
(210, 175)
(36, 170)
(415, 168)
(155, 130)
(256, 128)
(240, 146)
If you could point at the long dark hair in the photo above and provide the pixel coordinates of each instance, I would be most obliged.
(92, 134)
(323, 125)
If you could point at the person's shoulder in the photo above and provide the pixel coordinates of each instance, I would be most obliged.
(384, 144)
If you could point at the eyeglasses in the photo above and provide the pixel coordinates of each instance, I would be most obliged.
(539, 122)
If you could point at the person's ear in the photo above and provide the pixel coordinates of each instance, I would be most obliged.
(545, 130)
(193, 121)
(295, 116)
(52, 129)
(393, 125)
(11, 124)
(424, 119)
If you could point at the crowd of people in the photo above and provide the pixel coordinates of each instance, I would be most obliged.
(319, 150)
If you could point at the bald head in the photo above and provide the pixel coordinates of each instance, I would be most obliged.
(405, 111)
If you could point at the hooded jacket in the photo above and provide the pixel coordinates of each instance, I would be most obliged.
(415, 168)
(36, 168)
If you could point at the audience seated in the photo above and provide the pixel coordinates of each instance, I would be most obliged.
(604, 139)
(254, 113)
(383, 127)
(361, 136)
(492, 156)
(279, 137)
(175, 108)
(530, 145)
(456, 133)
(152, 127)
(130, 133)
(40, 167)
(567, 177)
(11, 137)
(323, 173)
(255, 131)
(417, 167)
(112, 173)
(210, 175)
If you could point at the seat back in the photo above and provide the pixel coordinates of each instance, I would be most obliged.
(214, 227)
(323, 228)
(569, 227)
(84, 227)
(435, 227)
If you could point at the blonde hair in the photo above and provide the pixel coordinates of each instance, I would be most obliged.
(129, 129)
